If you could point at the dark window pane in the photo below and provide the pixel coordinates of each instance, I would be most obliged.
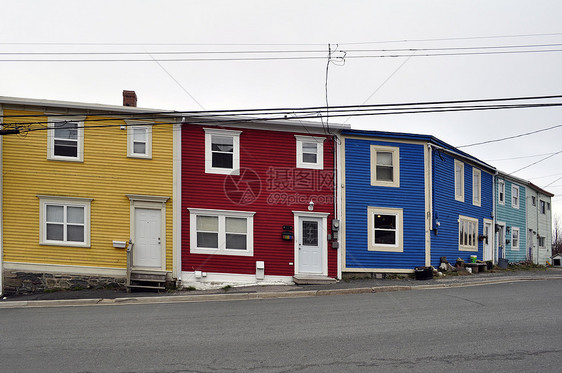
(222, 160)
(75, 233)
(209, 240)
(222, 144)
(309, 158)
(235, 241)
(66, 148)
(310, 233)
(139, 148)
(385, 237)
(55, 232)
(66, 131)
(385, 221)
(385, 173)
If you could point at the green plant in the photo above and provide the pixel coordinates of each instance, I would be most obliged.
(226, 287)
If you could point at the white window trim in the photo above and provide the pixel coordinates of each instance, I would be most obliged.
(221, 214)
(235, 170)
(459, 197)
(515, 187)
(467, 247)
(476, 188)
(395, 183)
(399, 246)
(319, 141)
(66, 201)
(513, 230)
(501, 187)
(542, 207)
(51, 139)
(131, 125)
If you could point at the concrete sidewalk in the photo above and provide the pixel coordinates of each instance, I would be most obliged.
(115, 297)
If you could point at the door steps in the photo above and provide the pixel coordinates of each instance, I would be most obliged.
(146, 280)
(313, 280)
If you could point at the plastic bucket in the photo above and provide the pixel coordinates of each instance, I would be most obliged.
(502, 263)
(473, 258)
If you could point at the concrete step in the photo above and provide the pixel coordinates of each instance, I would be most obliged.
(313, 280)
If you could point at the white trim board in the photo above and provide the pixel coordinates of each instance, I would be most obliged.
(60, 268)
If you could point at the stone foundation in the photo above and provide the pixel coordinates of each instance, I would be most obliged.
(18, 282)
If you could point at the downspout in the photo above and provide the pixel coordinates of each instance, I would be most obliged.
(495, 254)
(177, 203)
(1, 208)
(537, 222)
(337, 212)
(430, 202)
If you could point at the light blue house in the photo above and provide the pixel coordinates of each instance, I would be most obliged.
(408, 200)
(511, 218)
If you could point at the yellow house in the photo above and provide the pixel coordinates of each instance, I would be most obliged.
(83, 184)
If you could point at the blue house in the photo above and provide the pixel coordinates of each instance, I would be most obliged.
(408, 200)
(511, 218)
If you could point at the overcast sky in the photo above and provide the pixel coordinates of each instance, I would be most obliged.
(380, 27)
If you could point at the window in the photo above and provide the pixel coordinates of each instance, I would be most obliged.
(139, 140)
(385, 229)
(222, 151)
(534, 200)
(310, 152)
(65, 221)
(542, 207)
(501, 192)
(385, 166)
(541, 241)
(468, 234)
(459, 181)
(514, 238)
(476, 186)
(515, 196)
(221, 232)
(65, 139)
(548, 206)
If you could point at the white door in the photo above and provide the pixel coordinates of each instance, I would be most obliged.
(488, 241)
(501, 241)
(310, 245)
(147, 249)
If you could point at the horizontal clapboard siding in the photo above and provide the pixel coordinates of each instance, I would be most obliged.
(106, 176)
(360, 194)
(514, 218)
(446, 210)
(262, 153)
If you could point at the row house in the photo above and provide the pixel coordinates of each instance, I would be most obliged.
(539, 224)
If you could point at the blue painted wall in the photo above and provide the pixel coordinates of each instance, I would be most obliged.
(513, 217)
(446, 210)
(360, 194)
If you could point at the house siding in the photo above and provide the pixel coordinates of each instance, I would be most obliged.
(541, 225)
(447, 210)
(513, 218)
(106, 176)
(360, 194)
(269, 157)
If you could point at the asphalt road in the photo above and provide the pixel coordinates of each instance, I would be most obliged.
(515, 327)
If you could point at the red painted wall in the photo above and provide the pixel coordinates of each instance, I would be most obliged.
(268, 158)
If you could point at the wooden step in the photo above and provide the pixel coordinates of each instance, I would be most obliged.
(132, 286)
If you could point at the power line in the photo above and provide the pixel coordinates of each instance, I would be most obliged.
(510, 137)
(534, 163)
(513, 158)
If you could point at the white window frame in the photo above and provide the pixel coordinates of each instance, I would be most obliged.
(209, 133)
(45, 201)
(79, 140)
(476, 187)
(459, 182)
(501, 192)
(513, 235)
(518, 197)
(395, 151)
(398, 247)
(319, 142)
(542, 207)
(131, 126)
(221, 215)
(468, 223)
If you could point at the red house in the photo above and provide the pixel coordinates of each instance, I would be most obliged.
(258, 203)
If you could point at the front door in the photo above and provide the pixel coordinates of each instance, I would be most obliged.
(501, 241)
(310, 245)
(147, 249)
(488, 240)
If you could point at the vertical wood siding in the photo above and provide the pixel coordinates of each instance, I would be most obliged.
(106, 175)
(445, 240)
(262, 152)
(360, 194)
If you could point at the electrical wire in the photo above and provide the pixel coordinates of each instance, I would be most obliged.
(510, 137)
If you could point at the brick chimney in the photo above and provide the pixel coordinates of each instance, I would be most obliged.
(129, 98)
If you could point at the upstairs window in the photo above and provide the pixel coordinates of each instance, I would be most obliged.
(310, 152)
(548, 206)
(222, 151)
(501, 192)
(385, 166)
(459, 181)
(542, 207)
(542, 241)
(65, 139)
(476, 186)
(139, 140)
(515, 196)
(534, 200)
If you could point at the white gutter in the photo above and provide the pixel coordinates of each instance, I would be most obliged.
(176, 203)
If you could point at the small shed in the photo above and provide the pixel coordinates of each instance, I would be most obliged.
(556, 260)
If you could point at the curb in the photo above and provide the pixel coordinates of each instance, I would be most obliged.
(256, 296)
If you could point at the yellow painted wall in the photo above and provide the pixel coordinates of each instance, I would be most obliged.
(106, 175)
